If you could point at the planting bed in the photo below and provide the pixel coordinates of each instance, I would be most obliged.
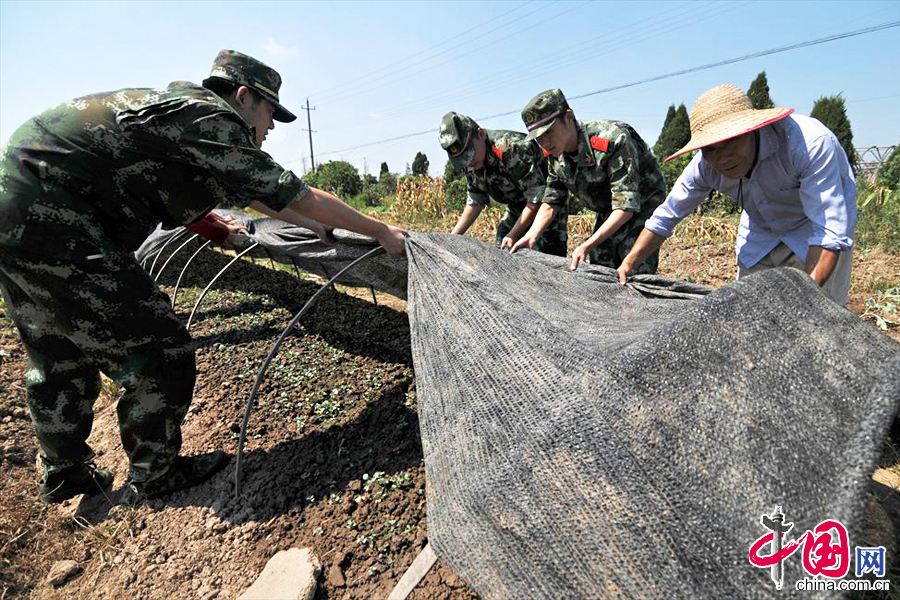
(333, 458)
(332, 462)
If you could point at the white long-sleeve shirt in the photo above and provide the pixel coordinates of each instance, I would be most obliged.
(801, 192)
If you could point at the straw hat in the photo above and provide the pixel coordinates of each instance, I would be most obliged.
(725, 112)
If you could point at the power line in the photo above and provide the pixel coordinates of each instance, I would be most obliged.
(573, 55)
(830, 38)
(394, 65)
(630, 33)
(729, 61)
(407, 74)
(707, 66)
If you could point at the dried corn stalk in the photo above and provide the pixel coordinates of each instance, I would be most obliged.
(419, 198)
(705, 229)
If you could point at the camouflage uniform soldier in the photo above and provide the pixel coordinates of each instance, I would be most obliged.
(507, 167)
(81, 186)
(604, 164)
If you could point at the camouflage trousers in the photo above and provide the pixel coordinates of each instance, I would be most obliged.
(613, 250)
(554, 238)
(79, 317)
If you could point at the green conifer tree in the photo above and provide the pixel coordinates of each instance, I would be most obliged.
(759, 92)
(832, 112)
(387, 181)
(657, 147)
(420, 164)
(675, 133)
(681, 128)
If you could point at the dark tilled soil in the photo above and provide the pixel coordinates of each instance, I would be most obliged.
(332, 462)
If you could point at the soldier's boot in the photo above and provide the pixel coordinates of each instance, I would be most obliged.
(72, 481)
(183, 473)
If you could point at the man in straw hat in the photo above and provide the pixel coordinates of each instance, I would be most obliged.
(81, 187)
(507, 167)
(789, 175)
(602, 164)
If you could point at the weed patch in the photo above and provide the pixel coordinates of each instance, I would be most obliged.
(883, 308)
(878, 221)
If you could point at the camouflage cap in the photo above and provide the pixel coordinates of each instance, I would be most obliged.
(246, 70)
(457, 132)
(541, 111)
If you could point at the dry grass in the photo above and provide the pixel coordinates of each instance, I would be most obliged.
(107, 539)
(419, 198)
(420, 205)
(485, 227)
(109, 391)
(707, 229)
(581, 226)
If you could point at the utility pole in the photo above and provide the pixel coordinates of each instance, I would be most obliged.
(365, 177)
(312, 156)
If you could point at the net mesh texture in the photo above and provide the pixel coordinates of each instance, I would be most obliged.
(584, 439)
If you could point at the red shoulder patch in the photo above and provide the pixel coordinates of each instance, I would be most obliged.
(599, 143)
(497, 152)
(545, 153)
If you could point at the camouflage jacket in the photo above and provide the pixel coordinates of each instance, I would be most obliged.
(612, 169)
(514, 171)
(111, 166)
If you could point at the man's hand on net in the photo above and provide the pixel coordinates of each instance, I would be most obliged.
(393, 240)
(624, 271)
(325, 234)
(579, 255)
(233, 226)
(526, 241)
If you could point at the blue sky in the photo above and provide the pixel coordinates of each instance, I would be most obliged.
(378, 70)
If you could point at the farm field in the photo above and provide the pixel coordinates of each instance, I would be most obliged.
(333, 458)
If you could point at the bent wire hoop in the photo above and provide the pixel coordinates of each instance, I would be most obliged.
(273, 351)
(271, 259)
(177, 250)
(168, 241)
(184, 270)
(213, 280)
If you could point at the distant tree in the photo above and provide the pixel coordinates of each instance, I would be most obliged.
(420, 164)
(681, 127)
(832, 112)
(889, 173)
(455, 187)
(670, 114)
(672, 170)
(372, 193)
(387, 181)
(451, 173)
(676, 132)
(759, 92)
(336, 176)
